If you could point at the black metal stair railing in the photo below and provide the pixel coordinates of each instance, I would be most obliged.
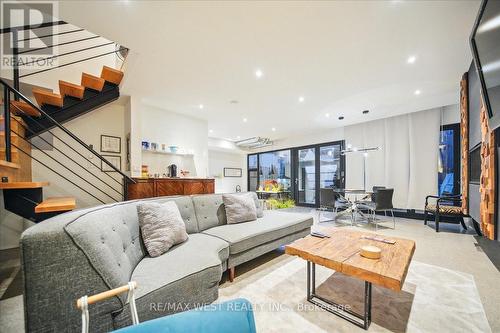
(76, 169)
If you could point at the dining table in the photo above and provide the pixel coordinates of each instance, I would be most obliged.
(353, 198)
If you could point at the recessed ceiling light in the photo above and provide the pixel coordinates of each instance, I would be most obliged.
(259, 73)
(341, 117)
(301, 99)
(210, 131)
(238, 137)
(366, 111)
(201, 106)
(273, 129)
(417, 92)
(411, 59)
(327, 115)
(245, 120)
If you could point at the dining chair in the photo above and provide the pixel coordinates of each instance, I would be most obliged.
(330, 199)
(383, 202)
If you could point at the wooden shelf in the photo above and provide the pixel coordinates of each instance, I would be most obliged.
(22, 185)
(165, 152)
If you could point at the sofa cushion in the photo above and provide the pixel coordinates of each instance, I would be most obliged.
(247, 235)
(239, 208)
(209, 210)
(198, 253)
(161, 226)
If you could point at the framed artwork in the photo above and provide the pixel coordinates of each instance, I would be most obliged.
(116, 161)
(111, 144)
(232, 172)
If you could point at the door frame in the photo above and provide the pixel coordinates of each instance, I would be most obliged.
(317, 169)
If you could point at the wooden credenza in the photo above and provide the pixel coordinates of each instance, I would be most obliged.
(160, 187)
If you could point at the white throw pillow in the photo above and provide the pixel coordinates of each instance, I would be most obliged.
(239, 208)
(161, 225)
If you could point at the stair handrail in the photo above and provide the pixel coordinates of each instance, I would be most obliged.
(63, 128)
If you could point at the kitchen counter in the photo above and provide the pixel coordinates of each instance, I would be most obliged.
(159, 187)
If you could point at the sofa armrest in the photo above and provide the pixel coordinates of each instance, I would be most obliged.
(55, 273)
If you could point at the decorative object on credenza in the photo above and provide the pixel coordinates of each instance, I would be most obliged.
(144, 171)
(111, 144)
(163, 147)
(154, 146)
(173, 149)
(233, 172)
(116, 161)
(185, 173)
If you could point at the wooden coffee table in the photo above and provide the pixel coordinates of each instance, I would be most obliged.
(340, 252)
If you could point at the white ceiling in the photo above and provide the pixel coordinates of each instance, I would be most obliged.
(342, 57)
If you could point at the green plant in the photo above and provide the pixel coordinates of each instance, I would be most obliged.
(280, 204)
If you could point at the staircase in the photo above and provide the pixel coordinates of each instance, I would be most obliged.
(24, 119)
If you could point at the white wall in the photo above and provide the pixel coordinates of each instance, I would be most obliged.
(217, 161)
(173, 129)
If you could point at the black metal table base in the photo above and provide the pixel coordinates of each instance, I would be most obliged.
(340, 310)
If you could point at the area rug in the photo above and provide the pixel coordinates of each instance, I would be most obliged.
(433, 299)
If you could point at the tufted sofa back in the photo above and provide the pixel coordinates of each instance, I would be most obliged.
(110, 238)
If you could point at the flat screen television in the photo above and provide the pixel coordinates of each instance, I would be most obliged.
(485, 45)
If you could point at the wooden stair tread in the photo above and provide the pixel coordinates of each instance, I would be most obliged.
(22, 185)
(92, 82)
(71, 89)
(56, 204)
(9, 165)
(23, 108)
(44, 96)
(111, 75)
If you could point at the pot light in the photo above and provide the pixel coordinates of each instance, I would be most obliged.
(210, 131)
(411, 59)
(259, 73)
(417, 92)
(366, 111)
(245, 120)
(341, 118)
(201, 106)
(327, 115)
(273, 129)
(238, 137)
(301, 99)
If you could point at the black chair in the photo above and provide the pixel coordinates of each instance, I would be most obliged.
(383, 202)
(329, 199)
(442, 208)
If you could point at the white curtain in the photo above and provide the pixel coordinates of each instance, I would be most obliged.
(407, 159)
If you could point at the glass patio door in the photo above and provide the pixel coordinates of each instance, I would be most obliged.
(330, 169)
(305, 176)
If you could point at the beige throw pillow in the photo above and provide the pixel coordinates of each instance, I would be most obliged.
(161, 225)
(239, 208)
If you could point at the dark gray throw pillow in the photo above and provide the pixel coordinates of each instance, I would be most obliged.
(161, 225)
(239, 207)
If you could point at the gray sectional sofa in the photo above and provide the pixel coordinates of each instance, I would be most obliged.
(97, 249)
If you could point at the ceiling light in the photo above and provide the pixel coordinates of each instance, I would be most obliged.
(238, 137)
(245, 120)
(327, 115)
(366, 111)
(201, 106)
(273, 129)
(258, 73)
(417, 92)
(411, 60)
(341, 118)
(210, 131)
(301, 99)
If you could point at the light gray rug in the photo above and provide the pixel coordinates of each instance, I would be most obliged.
(433, 299)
